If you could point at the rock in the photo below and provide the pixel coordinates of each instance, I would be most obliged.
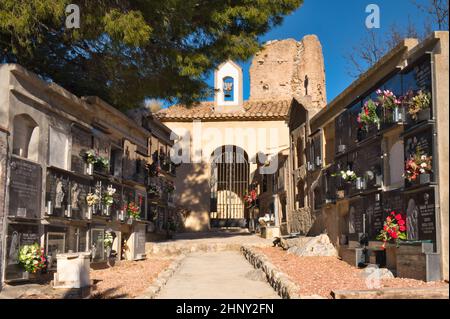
(316, 246)
(256, 275)
(372, 271)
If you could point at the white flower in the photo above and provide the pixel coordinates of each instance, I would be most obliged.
(423, 157)
(423, 165)
(422, 171)
(349, 173)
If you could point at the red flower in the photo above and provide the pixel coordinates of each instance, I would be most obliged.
(398, 217)
(402, 228)
(401, 222)
(394, 235)
(393, 213)
(366, 110)
(388, 219)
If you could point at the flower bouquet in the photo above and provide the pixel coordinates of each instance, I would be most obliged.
(394, 228)
(133, 210)
(368, 115)
(250, 198)
(32, 258)
(417, 103)
(108, 196)
(92, 199)
(388, 100)
(348, 176)
(418, 165)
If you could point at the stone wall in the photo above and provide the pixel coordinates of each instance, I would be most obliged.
(3, 157)
(281, 68)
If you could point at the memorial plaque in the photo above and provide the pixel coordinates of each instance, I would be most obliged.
(58, 192)
(370, 163)
(81, 142)
(353, 126)
(374, 215)
(418, 77)
(355, 164)
(355, 216)
(97, 244)
(421, 215)
(393, 201)
(420, 142)
(341, 132)
(25, 188)
(18, 235)
(118, 201)
(102, 144)
(79, 189)
(139, 241)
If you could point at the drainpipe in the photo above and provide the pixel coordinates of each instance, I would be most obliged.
(437, 198)
(275, 210)
(4, 221)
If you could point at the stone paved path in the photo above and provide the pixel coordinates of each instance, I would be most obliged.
(217, 275)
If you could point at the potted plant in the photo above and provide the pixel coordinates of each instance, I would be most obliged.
(32, 258)
(419, 166)
(394, 229)
(108, 199)
(419, 105)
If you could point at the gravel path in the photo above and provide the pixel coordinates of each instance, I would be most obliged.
(127, 279)
(217, 275)
(320, 275)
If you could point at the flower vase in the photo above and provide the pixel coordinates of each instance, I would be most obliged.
(90, 169)
(107, 210)
(423, 115)
(397, 116)
(424, 178)
(89, 212)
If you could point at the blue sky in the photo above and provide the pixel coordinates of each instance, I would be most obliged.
(339, 25)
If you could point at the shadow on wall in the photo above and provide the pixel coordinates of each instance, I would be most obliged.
(193, 194)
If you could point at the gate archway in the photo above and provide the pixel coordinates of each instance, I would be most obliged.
(230, 172)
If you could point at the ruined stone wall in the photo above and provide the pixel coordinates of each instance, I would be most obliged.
(287, 68)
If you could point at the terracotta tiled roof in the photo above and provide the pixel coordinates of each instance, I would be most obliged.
(260, 110)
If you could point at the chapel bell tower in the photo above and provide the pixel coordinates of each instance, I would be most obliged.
(228, 88)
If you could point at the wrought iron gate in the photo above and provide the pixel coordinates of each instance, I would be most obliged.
(229, 183)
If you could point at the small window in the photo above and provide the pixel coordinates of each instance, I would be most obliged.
(228, 89)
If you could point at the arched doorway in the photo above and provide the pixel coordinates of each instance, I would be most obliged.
(229, 183)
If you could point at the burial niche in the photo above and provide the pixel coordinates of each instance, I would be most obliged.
(25, 137)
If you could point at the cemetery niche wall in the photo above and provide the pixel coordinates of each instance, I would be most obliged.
(71, 176)
(385, 161)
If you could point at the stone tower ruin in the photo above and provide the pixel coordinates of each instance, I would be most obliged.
(288, 67)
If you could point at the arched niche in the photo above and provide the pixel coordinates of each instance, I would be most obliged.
(25, 137)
